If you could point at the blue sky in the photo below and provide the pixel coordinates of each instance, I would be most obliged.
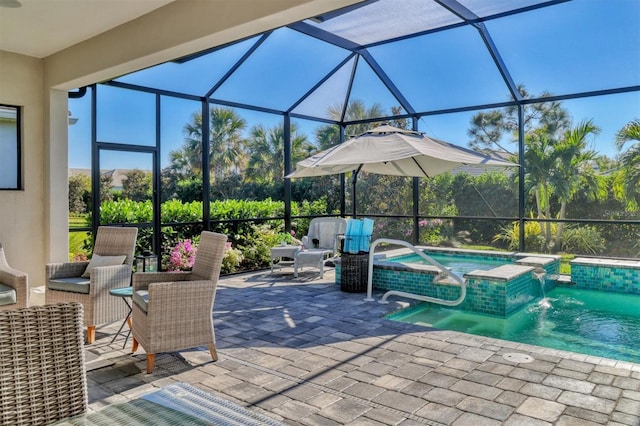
(572, 47)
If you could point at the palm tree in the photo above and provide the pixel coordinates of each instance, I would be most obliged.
(575, 170)
(628, 180)
(191, 150)
(266, 152)
(226, 145)
(185, 163)
(560, 168)
(539, 159)
(329, 135)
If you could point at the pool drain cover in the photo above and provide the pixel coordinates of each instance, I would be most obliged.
(518, 358)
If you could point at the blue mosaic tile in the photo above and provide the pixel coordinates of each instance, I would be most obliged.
(617, 279)
(496, 296)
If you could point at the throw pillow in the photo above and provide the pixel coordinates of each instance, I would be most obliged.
(97, 260)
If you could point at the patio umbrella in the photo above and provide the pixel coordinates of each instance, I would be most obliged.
(389, 150)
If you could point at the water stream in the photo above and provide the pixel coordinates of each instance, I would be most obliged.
(541, 275)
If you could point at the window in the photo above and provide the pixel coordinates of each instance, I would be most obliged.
(10, 161)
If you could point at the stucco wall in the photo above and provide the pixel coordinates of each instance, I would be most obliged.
(21, 212)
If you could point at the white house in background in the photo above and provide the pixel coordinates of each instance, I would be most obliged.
(117, 175)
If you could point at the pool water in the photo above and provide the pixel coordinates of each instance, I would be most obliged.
(584, 321)
(458, 264)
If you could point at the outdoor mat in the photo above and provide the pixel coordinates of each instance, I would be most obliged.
(193, 401)
(134, 413)
(177, 404)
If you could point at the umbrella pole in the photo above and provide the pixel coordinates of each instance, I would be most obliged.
(354, 180)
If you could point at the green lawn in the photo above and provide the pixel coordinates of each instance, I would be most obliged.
(77, 221)
(76, 239)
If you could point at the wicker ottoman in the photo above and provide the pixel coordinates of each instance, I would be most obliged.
(311, 257)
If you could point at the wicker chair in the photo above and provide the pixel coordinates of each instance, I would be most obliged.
(174, 310)
(42, 369)
(14, 286)
(66, 284)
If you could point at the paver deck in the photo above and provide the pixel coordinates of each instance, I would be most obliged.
(303, 352)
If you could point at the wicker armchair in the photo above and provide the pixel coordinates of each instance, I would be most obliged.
(66, 284)
(174, 310)
(14, 286)
(42, 369)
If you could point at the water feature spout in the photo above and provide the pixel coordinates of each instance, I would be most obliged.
(540, 274)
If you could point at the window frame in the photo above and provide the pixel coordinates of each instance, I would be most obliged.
(19, 181)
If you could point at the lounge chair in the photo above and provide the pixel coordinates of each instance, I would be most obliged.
(320, 243)
(89, 282)
(174, 310)
(14, 286)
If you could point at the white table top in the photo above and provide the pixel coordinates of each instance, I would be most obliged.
(288, 250)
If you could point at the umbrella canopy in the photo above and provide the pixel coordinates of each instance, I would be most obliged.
(389, 150)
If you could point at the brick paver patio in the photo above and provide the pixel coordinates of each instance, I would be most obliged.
(303, 352)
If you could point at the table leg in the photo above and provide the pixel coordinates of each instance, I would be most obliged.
(127, 321)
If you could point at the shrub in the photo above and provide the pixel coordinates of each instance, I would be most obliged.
(231, 260)
(533, 238)
(256, 246)
(430, 231)
(582, 240)
(252, 240)
(182, 256)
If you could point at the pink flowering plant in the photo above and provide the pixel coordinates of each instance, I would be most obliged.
(182, 256)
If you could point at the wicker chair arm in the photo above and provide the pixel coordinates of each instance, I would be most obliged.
(141, 280)
(9, 275)
(14, 278)
(65, 269)
(104, 278)
(175, 302)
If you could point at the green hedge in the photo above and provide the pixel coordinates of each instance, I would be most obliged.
(252, 239)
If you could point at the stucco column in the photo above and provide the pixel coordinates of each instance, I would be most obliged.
(56, 192)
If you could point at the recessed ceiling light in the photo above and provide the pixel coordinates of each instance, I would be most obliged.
(10, 3)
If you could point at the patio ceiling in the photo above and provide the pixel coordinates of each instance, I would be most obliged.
(416, 57)
(41, 28)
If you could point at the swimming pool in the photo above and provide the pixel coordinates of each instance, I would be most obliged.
(583, 321)
(458, 264)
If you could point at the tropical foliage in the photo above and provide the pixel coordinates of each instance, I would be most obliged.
(564, 179)
(558, 163)
(627, 185)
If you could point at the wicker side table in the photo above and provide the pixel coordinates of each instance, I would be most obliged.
(354, 272)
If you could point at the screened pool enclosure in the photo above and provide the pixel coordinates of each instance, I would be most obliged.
(552, 86)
